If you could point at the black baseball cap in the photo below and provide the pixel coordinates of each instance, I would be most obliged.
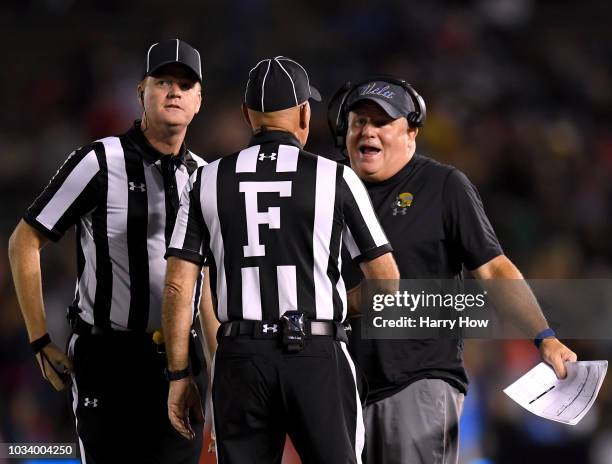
(172, 51)
(392, 98)
(277, 84)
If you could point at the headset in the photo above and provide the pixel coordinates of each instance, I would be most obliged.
(337, 110)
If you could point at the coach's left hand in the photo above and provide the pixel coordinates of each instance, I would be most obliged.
(184, 402)
(556, 354)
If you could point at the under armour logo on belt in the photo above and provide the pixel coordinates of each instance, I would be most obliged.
(263, 156)
(137, 187)
(90, 402)
(267, 328)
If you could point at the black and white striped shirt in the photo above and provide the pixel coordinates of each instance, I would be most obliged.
(273, 218)
(122, 195)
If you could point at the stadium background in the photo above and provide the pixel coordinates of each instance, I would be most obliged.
(519, 96)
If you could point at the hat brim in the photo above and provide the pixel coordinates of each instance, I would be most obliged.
(387, 107)
(156, 69)
(314, 94)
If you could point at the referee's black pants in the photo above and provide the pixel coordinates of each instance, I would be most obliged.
(119, 398)
(261, 393)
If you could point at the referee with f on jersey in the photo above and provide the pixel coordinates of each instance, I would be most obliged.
(122, 195)
(271, 219)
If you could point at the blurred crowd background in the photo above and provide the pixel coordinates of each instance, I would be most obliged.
(519, 96)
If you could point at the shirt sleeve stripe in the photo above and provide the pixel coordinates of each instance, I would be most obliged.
(364, 204)
(182, 218)
(71, 188)
(349, 241)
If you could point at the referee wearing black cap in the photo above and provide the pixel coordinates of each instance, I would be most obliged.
(121, 193)
(271, 220)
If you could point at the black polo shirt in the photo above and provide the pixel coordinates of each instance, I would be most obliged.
(435, 221)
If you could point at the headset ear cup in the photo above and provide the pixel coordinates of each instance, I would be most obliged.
(414, 119)
(337, 116)
(343, 116)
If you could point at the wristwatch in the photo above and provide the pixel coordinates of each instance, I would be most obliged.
(177, 375)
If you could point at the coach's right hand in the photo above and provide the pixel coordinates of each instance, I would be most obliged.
(55, 366)
(183, 399)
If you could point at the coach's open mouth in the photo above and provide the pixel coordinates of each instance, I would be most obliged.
(368, 150)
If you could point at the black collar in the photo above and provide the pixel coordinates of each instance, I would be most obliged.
(267, 136)
(148, 151)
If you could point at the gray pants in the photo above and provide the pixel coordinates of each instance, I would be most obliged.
(417, 425)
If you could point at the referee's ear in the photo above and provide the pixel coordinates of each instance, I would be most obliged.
(245, 113)
(140, 91)
(305, 115)
(200, 99)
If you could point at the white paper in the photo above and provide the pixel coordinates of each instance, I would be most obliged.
(566, 400)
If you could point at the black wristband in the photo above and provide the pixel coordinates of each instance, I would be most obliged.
(177, 375)
(40, 343)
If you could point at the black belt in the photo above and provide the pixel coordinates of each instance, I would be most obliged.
(272, 329)
(80, 327)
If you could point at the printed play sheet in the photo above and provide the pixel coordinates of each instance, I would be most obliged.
(566, 400)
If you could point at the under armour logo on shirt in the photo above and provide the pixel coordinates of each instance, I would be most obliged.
(263, 156)
(93, 402)
(267, 328)
(137, 187)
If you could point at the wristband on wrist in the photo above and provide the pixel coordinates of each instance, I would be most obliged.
(177, 375)
(40, 343)
(539, 338)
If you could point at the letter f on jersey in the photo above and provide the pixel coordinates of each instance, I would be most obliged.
(255, 218)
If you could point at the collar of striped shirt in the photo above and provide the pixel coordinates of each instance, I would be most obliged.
(148, 151)
(267, 136)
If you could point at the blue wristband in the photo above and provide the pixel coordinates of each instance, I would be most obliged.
(548, 332)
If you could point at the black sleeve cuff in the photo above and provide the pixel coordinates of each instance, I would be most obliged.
(52, 235)
(484, 258)
(373, 253)
(187, 255)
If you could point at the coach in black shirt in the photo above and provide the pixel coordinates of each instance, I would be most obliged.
(435, 221)
(271, 220)
(122, 194)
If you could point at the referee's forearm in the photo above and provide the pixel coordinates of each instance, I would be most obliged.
(176, 311)
(24, 257)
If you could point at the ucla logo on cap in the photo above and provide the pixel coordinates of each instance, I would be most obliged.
(374, 88)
